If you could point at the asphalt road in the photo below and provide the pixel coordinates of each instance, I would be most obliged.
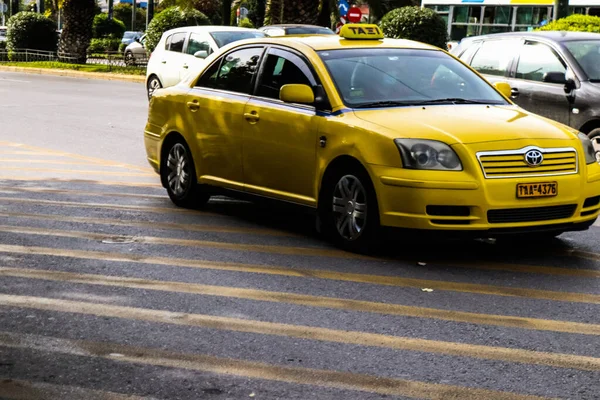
(108, 291)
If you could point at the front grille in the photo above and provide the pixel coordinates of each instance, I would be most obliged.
(532, 214)
(511, 163)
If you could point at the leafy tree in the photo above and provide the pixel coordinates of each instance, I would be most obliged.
(122, 12)
(78, 16)
(107, 28)
(415, 23)
(29, 30)
(171, 18)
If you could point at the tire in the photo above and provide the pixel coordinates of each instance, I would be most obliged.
(129, 59)
(594, 136)
(152, 85)
(178, 174)
(348, 211)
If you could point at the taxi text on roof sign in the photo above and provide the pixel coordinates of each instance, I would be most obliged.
(361, 31)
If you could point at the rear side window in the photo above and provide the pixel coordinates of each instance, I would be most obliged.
(494, 57)
(177, 41)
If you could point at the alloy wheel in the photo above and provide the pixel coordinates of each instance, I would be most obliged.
(178, 165)
(350, 207)
(153, 85)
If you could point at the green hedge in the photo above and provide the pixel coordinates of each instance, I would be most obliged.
(415, 23)
(103, 45)
(171, 18)
(575, 22)
(28, 30)
(107, 28)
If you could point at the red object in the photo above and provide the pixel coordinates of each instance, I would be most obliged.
(354, 14)
(338, 27)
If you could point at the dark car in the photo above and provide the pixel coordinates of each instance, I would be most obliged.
(295, 29)
(553, 74)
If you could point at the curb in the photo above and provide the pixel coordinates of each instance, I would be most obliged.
(76, 74)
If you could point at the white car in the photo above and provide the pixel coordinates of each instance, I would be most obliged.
(183, 49)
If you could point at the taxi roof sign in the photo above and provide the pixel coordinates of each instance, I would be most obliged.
(361, 32)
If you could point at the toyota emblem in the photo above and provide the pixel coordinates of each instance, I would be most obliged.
(534, 158)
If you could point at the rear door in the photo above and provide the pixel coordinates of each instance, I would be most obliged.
(529, 90)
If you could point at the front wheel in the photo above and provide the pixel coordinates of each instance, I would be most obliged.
(349, 212)
(179, 176)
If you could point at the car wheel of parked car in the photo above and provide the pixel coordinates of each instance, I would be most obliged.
(594, 136)
(129, 59)
(178, 174)
(153, 85)
(348, 211)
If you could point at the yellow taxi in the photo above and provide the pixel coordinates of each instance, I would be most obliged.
(370, 133)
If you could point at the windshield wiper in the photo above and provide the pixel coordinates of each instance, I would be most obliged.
(386, 103)
(449, 100)
(454, 100)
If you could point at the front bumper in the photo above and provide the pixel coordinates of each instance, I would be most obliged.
(459, 201)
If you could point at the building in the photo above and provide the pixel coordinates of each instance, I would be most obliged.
(480, 17)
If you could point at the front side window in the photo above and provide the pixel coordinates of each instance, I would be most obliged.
(587, 54)
(537, 59)
(233, 72)
(392, 77)
(282, 69)
(177, 41)
(198, 43)
(494, 57)
(223, 38)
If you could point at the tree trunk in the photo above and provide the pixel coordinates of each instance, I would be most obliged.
(78, 16)
(301, 12)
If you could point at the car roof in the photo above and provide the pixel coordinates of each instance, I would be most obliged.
(208, 28)
(332, 42)
(557, 36)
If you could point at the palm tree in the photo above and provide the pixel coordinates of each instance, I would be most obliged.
(78, 17)
(293, 12)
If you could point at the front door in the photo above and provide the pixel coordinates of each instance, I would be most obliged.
(172, 59)
(529, 89)
(280, 139)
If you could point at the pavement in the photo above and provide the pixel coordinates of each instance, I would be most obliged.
(108, 291)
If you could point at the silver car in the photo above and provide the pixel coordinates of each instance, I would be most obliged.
(135, 53)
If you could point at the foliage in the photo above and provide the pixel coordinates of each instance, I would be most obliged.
(246, 23)
(28, 30)
(210, 8)
(104, 45)
(122, 47)
(415, 23)
(575, 22)
(107, 28)
(122, 12)
(171, 18)
(381, 7)
(256, 11)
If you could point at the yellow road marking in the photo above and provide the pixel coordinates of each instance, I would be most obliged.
(72, 155)
(252, 369)
(307, 300)
(258, 248)
(14, 177)
(556, 360)
(534, 269)
(85, 193)
(17, 389)
(77, 204)
(149, 224)
(77, 171)
(584, 254)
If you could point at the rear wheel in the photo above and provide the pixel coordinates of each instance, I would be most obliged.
(153, 84)
(348, 210)
(178, 173)
(129, 59)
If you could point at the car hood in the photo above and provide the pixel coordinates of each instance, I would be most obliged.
(453, 124)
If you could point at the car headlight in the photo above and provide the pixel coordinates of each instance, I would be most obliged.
(428, 154)
(588, 148)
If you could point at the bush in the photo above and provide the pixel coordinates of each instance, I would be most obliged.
(103, 45)
(122, 12)
(415, 23)
(107, 28)
(246, 23)
(171, 18)
(575, 22)
(28, 30)
(122, 47)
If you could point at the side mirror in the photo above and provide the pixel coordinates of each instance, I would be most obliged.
(554, 77)
(503, 88)
(295, 93)
(201, 54)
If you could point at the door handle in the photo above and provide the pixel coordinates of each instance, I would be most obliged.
(193, 105)
(514, 92)
(164, 61)
(185, 66)
(252, 117)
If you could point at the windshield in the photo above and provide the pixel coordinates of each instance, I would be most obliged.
(587, 54)
(131, 35)
(310, 30)
(225, 37)
(367, 77)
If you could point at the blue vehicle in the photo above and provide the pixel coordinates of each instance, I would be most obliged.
(131, 36)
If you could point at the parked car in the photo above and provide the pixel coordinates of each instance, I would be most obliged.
(135, 53)
(131, 36)
(186, 48)
(3, 31)
(295, 29)
(553, 74)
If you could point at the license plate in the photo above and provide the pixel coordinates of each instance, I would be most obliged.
(542, 189)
